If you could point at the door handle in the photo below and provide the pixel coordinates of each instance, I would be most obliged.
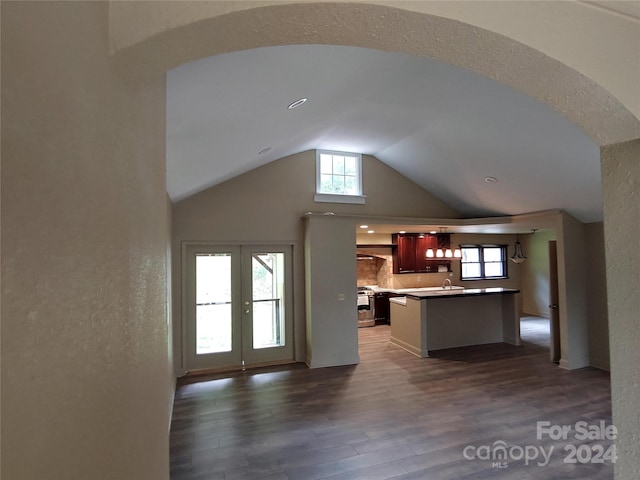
(555, 307)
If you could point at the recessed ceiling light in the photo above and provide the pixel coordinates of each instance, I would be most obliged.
(364, 226)
(490, 179)
(297, 103)
(433, 232)
(370, 231)
(402, 231)
(264, 150)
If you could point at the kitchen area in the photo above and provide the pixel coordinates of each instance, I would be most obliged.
(402, 276)
(388, 266)
(333, 275)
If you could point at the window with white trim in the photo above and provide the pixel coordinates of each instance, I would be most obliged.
(483, 262)
(338, 177)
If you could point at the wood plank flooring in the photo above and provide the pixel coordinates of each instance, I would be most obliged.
(393, 416)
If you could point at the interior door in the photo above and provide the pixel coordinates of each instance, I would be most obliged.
(554, 318)
(238, 306)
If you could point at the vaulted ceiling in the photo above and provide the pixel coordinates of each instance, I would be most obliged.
(444, 127)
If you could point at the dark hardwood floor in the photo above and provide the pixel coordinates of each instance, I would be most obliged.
(393, 416)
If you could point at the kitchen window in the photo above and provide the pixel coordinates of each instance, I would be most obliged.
(483, 262)
(338, 177)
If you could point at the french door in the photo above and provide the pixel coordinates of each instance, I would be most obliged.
(238, 306)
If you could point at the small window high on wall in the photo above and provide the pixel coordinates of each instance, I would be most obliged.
(483, 262)
(338, 177)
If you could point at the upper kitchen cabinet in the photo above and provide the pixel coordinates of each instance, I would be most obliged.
(404, 255)
(410, 253)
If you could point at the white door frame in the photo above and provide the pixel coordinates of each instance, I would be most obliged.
(285, 247)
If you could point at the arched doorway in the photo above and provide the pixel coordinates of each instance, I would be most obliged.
(212, 31)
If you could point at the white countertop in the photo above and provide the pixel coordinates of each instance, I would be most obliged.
(431, 292)
(399, 300)
(404, 291)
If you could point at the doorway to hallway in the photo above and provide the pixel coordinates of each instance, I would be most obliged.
(535, 330)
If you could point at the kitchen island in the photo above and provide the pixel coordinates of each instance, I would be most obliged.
(424, 320)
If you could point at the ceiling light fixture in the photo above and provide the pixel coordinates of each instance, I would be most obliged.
(371, 231)
(364, 226)
(402, 231)
(297, 103)
(518, 256)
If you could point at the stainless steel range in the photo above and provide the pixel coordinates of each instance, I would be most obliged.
(366, 307)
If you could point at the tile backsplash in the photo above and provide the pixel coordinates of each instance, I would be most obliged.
(375, 267)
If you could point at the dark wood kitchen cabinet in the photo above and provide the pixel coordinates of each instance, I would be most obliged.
(410, 252)
(404, 259)
(382, 307)
(383, 311)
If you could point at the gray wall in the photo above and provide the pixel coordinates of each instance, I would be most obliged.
(266, 205)
(86, 379)
(621, 187)
(572, 289)
(535, 285)
(597, 296)
(535, 273)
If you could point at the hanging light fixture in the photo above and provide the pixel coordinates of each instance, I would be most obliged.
(443, 253)
(518, 256)
(439, 251)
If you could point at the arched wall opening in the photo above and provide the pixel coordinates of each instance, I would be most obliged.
(188, 31)
(582, 100)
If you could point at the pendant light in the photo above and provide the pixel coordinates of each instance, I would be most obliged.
(440, 253)
(518, 256)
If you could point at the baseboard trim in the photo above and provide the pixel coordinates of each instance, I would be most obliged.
(236, 368)
(333, 363)
(407, 347)
(172, 400)
(601, 365)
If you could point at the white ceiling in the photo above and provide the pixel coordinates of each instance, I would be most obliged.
(444, 127)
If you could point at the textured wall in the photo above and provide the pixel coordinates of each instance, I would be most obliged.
(86, 383)
(621, 185)
(588, 72)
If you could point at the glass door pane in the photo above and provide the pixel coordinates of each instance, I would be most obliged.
(237, 305)
(268, 300)
(213, 303)
(267, 304)
(212, 329)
